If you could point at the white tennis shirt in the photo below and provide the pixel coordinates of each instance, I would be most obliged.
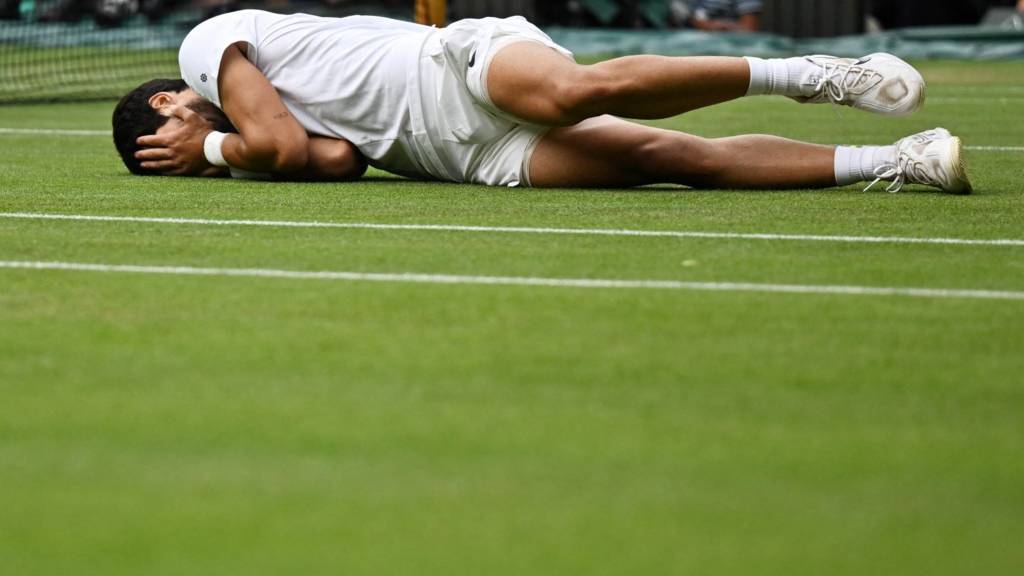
(348, 78)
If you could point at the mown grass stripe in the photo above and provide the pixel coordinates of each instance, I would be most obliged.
(522, 230)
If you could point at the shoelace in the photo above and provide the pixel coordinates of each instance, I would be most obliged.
(835, 79)
(887, 171)
(898, 172)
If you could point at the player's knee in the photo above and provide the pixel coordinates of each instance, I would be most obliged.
(706, 159)
(582, 94)
(347, 162)
(668, 155)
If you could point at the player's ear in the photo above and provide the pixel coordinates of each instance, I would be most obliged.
(161, 100)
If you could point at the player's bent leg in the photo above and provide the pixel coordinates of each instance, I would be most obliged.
(599, 152)
(609, 152)
(540, 85)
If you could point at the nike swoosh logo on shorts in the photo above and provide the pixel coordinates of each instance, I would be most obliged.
(472, 59)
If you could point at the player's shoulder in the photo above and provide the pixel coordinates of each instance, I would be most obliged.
(210, 34)
(201, 52)
(230, 19)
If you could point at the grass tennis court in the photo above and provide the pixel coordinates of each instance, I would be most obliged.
(154, 421)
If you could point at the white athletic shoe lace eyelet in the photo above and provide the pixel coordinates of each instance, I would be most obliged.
(905, 169)
(836, 79)
(932, 158)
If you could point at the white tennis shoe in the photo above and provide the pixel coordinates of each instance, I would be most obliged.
(933, 158)
(879, 83)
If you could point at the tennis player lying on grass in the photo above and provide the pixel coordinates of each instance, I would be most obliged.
(497, 102)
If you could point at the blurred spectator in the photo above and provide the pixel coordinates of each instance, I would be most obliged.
(735, 15)
(111, 13)
(67, 11)
(106, 13)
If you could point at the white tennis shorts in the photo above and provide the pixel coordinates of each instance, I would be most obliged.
(459, 134)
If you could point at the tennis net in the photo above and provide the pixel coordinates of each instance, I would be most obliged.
(66, 50)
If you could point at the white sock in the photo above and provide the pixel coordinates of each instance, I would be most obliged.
(780, 76)
(858, 163)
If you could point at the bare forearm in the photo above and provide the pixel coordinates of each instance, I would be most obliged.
(261, 156)
(330, 160)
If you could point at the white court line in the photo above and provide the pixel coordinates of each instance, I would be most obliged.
(415, 278)
(55, 132)
(996, 89)
(996, 148)
(975, 100)
(62, 132)
(523, 230)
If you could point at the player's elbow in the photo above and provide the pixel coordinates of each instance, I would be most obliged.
(291, 158)
(291, 152)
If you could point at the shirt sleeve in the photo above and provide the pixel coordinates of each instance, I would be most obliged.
(202, 50)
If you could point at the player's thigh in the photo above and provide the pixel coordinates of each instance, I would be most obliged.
(611, 152)
(526, 79)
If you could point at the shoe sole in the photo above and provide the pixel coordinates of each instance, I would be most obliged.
(962, 181)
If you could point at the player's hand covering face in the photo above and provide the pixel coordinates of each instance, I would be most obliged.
(177, 146)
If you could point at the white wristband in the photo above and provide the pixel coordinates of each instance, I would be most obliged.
(211, 148)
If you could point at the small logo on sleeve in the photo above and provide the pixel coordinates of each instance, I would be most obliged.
(202, 77)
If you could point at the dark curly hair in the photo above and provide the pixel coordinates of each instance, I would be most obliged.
(134, 117)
